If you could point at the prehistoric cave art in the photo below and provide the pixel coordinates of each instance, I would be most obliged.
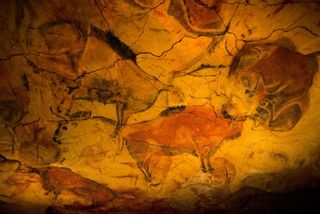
(276, 81)
(139, 106)
(119, 83)
(196, 130)
(277, 95)
(57, 180)
(33, 142)
(205, 17)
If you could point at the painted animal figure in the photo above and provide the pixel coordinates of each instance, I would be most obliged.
(131, 90)
(204, 17)
(276, 83)
(195, 129)
(58, 179)
(121, 82)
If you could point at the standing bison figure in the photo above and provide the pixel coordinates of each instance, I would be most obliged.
(196, 130)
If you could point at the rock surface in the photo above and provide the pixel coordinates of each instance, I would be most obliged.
(174, 106)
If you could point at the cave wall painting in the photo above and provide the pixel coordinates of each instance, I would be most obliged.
(58, 180)
(196, 130)
(203, 17)
(277, 94)
(134, 105)
(276, 81)
(118, 83)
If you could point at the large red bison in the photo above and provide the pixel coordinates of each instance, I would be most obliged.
(195, 129)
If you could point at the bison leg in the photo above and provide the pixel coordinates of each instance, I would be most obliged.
(200, 148)
(116, 129)
(203, 167)
(139, 151)
(157, 164)
(121, 119)
(56, 191)
(210, 151)
(144, 169)
(207, 159)
(120, 145)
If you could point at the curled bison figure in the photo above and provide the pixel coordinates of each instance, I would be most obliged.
(276, 83)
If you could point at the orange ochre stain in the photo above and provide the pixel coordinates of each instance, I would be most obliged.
(59, 179)
(197, 130)
(200, 14)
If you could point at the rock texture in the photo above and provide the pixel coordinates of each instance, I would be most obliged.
(169, 106)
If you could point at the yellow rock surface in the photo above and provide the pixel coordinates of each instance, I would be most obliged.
(180, 106)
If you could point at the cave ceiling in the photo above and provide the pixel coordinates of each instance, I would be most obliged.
(169, 106)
